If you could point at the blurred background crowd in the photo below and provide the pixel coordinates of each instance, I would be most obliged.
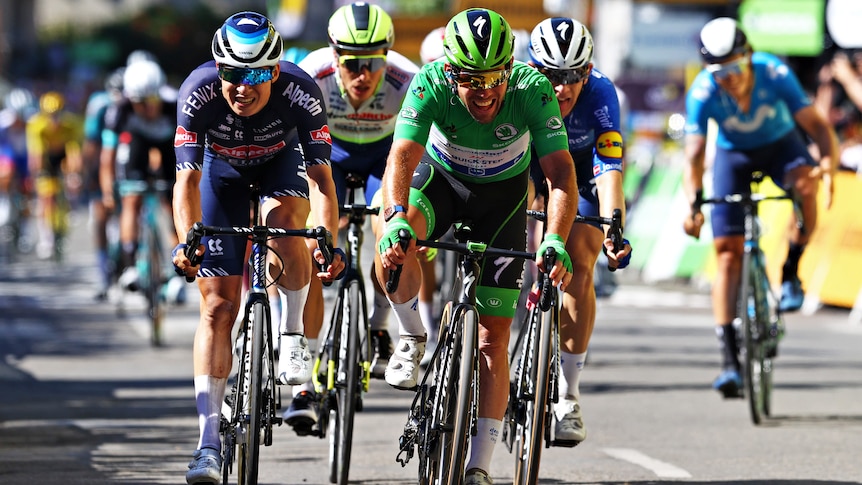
(649, 49)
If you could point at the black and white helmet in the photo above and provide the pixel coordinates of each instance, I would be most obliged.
(721, 39)
(247, 39)
(561, 43)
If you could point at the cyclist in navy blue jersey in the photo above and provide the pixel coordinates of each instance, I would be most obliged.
(248, 119)
(562, 49)
(758, 105)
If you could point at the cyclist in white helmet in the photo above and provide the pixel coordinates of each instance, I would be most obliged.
(139, 123)
(562, 49)
(759, 106)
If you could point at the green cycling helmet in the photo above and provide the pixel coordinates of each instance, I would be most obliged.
(478, 39)
(360, 26)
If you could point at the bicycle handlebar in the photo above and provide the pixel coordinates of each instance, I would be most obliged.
(615, 231)
(262, 233)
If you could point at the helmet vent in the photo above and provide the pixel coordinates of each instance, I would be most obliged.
(361, 15)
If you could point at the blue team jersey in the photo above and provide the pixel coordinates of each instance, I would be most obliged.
(776, 96)
(593, 129)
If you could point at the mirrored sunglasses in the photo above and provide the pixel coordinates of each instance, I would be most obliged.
(564, 76)
(722, 71)
(250, 76)
(357, 63)
(478, 79)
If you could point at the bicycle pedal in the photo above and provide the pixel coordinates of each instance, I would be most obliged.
(565, 443)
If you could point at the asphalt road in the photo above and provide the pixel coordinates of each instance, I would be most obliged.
(86, 400)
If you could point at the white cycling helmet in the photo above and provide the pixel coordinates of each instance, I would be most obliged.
(247, 39)
(432, 45)
(142, 80)
(561, 43)
(721, 39)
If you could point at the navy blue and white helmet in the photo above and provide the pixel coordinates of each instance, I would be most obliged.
(561, 43)
(247, 39)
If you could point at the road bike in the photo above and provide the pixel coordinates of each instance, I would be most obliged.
(758, 315)
(252, 405)
(150, 261)
(534, 366)
(444, 411)
(342, 371)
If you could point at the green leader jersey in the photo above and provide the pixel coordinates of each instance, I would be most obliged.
(433, 115)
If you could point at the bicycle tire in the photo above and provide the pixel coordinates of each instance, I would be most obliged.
(428, 441)
(455, 441)
(249, 456)
(348, 385)
(153, 284)
(751, 314)
(532, 433)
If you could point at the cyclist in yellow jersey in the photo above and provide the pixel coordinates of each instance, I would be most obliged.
(53, 147)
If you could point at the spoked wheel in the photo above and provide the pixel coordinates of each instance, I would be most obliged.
(458, 416)
(347, 388)
(430, 453)
(152, 286)
(253, 404)
(531, 435)
(757, 367)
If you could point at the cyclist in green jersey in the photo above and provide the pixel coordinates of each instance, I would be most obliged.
(461, 152)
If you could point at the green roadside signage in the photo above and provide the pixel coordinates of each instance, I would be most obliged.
(784, 27)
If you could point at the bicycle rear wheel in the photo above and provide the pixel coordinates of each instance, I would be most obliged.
(253, 401)
(537, 369)
(347, 386)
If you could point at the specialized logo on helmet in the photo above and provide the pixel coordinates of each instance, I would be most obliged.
(478, 26)
(505, 132)
(562, 31)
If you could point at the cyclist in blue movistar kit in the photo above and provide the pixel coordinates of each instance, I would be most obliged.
(248, 119)
(562, 49)
(757, 102)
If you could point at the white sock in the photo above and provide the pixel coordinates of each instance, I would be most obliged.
(275, 313)
(482, 445)
(426, 312)
(378, 319)
(570, 378)
(209, 396)
(409, 320)
(292, 306)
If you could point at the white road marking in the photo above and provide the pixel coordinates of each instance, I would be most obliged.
(660, 468)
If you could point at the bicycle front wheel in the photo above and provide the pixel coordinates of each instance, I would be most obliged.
(152, 273)
(537, 368)
(459, 399)
(347, 386)
(754, 314)
(253, 404)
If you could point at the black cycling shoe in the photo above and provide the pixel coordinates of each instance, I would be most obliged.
(381, 343)
(301, 415)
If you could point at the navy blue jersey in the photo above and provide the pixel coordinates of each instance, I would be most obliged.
(205, 121)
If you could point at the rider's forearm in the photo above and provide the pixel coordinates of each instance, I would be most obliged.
(402, 161)
(695, 153)
(610, 192)
(562, 204)
(324, 200)
(186, 202)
